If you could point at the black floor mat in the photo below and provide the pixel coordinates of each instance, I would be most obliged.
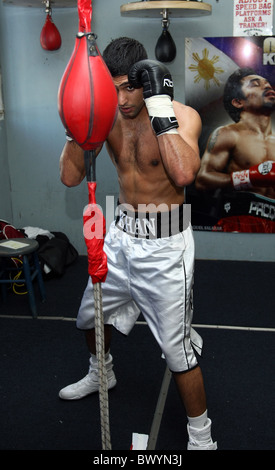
(38, 357)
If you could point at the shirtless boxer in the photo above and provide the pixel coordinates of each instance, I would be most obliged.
(241, 156)
(154, 147)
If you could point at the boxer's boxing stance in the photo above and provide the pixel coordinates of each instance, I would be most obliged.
(241, 156)
(154, 147)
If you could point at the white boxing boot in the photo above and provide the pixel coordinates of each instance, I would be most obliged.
(200, 439)
(89, 384)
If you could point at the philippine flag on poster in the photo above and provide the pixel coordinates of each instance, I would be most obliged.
(206, 71)
(253, 18)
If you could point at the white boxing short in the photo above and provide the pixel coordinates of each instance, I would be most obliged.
(153, 276)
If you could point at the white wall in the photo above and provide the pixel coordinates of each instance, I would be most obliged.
(34, 133)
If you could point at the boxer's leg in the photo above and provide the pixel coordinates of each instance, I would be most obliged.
(166, 303)
(191, 389)
(91, 340)
(119, 311)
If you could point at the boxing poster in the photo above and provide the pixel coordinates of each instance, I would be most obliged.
(230, 82)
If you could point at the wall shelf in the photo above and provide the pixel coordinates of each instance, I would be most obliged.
(41, 3)
(176, 9)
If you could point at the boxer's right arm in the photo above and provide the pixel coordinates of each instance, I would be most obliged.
(72, 164)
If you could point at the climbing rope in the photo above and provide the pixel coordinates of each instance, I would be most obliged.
(102, 373)
(90, 167)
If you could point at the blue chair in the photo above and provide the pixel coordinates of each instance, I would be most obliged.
(26, 250)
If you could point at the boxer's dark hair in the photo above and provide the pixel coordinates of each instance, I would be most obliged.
(233, 89)
(121, 54)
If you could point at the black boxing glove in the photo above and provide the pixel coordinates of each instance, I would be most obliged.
(158, 92)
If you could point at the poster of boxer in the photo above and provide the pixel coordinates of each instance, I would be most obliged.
(231, 83)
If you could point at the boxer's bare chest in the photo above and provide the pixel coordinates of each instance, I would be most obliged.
(135, 148)
(254, 148)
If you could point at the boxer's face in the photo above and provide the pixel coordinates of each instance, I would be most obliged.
(130, 100)
(258, 93)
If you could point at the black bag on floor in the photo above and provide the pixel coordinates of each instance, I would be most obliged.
(56, 253)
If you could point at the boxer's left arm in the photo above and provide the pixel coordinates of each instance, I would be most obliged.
(176, 126)
(158, 93)
(180, 153)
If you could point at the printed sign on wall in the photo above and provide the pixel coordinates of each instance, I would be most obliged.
(253, 18)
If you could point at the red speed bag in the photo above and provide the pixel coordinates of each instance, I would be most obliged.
(50, 38)
(87, 98)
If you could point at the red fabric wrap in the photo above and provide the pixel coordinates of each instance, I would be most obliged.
(94, 229)
(85, 15)
(87, 98)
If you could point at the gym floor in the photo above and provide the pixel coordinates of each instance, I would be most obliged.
(234, 313)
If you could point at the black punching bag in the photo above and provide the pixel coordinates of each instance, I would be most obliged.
(165, 50)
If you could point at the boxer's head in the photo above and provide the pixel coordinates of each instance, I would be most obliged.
(233, 90)
(121, 54)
